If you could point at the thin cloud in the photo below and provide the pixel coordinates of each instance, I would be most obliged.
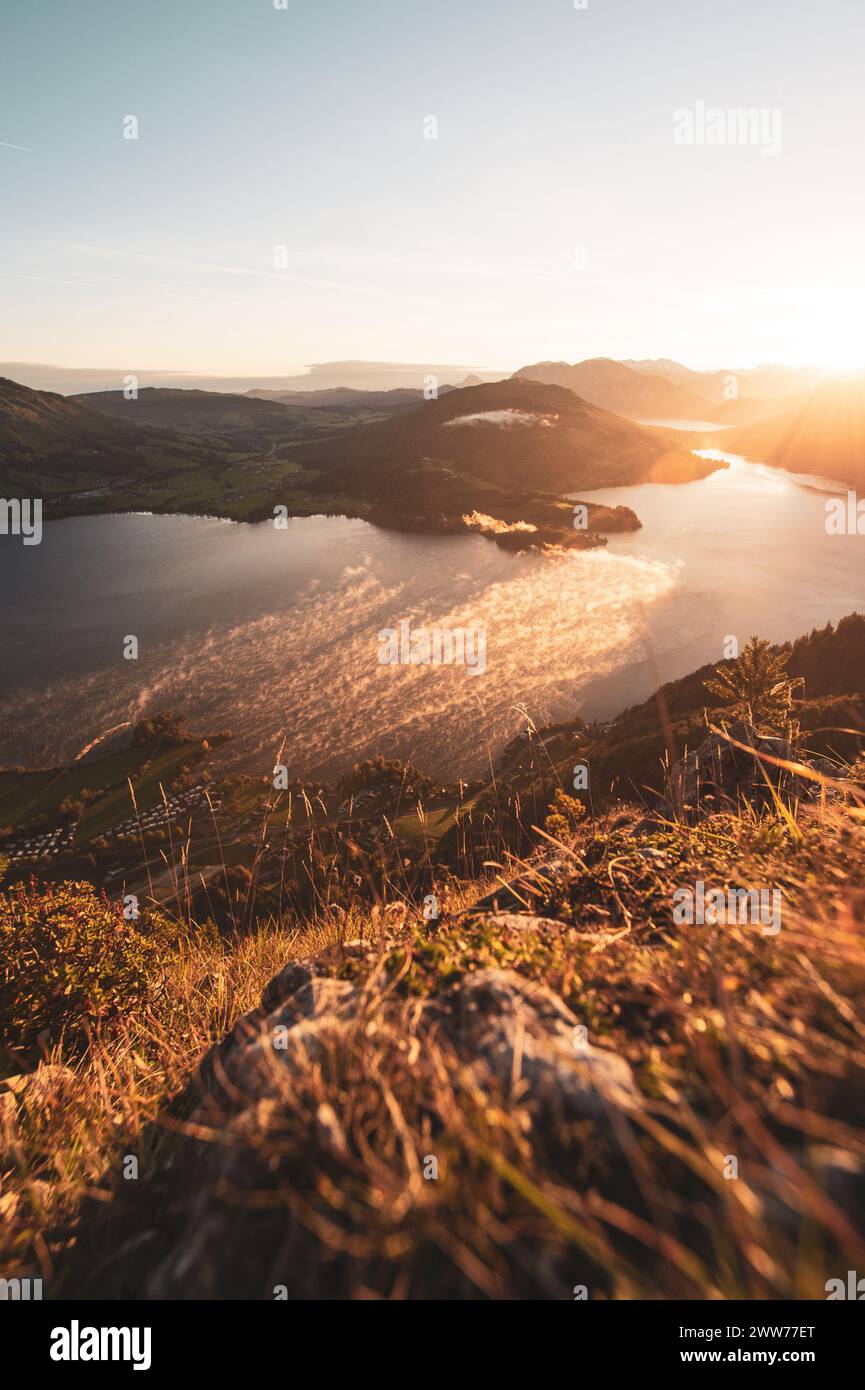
(176, 262)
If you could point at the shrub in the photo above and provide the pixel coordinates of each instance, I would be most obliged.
(70, 961)
(564, 816)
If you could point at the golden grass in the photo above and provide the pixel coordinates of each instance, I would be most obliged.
(742, 1045)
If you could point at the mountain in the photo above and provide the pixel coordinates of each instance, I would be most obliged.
(821, 432)
(769, 382)
(78, 459)
(741, 410)
(505, 451)
(237, 456)
(190, 412)
(514, 433)
(42, 426)
(471, 380)
(256, 420)
(358, 375)
(346, 400)
(616, 387)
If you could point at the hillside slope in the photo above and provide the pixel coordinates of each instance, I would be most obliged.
(508, 434)
(44, 427)
(257, 419)
(628, 756)
(536, 1097)
(196, 412)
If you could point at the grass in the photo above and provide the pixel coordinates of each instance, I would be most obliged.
(743, 1046)
(27, 796)
(62, 1133)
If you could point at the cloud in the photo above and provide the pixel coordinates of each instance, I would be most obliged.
(503, 419)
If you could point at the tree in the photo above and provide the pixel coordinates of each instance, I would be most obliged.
(758, 687)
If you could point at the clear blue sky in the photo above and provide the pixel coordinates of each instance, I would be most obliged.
(305, 128)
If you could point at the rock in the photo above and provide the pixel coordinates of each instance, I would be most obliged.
(515, 1028)
(720, 776)
(301, 1014)
(489, 1016)
(267, 1118)
(518, 921)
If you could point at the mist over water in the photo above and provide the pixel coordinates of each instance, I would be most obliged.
(274, 634)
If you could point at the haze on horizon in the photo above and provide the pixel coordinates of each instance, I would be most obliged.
(554, 216)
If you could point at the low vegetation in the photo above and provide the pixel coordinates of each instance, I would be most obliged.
(736, 1169)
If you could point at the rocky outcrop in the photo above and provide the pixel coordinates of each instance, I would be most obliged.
(497, 1017)
(275, 1100)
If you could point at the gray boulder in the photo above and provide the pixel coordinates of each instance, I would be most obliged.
(725, 773)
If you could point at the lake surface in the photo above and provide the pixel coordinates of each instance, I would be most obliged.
(274, 634)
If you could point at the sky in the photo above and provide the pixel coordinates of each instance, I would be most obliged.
(283, 204)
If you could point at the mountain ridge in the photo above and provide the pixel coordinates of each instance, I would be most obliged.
(613, 386)
(512, 433)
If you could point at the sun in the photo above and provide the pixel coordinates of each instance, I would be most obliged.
(843, 359)
(834, 331)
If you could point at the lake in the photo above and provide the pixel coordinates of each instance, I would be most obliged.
(274, 634)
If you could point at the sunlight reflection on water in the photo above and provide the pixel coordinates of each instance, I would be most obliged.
(275, 634)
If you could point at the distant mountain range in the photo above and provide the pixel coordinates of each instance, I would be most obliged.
(321, 376)
(346, 399)
(613, 386)
(349, 398)
(767, 383)
(475, 447)
(662, 390)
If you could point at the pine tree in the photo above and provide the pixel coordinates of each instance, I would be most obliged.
(758, 687)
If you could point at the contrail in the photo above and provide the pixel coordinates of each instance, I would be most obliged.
(7, 146)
